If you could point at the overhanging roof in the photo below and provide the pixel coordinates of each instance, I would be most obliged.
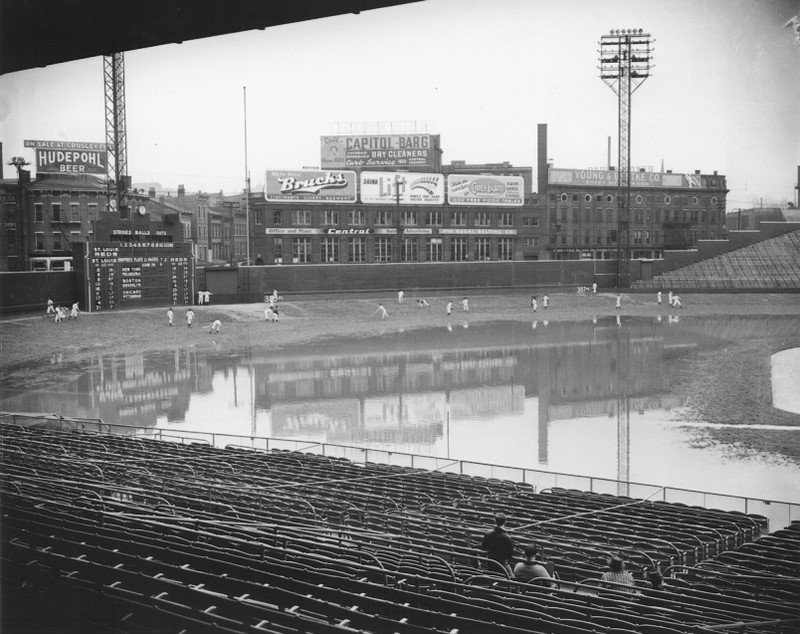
(35, 33)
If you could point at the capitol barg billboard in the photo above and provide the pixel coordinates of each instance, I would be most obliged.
(380, 150)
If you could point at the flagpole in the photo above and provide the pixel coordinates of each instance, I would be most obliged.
(247, 181)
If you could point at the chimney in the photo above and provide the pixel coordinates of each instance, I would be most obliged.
(181, 192)
(542, 162)
(697, 171)
(151, 193)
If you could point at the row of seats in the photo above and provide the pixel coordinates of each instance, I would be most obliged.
(161, 537)
(771, 263)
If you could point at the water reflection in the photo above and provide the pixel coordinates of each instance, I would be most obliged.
(591, 397)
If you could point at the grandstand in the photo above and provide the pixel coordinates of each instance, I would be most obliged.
(771, 263)
(111, 533)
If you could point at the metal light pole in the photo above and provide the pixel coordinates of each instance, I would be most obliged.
(247, 181)
(624, 65)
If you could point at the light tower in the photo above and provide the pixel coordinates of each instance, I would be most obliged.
(116, 133)
(624, 65)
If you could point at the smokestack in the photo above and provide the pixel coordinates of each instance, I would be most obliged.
(542, 163)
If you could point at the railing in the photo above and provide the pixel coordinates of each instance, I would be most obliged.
(776, 513)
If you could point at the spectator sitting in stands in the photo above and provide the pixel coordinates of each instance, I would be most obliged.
(530, 568)
(498, 545)
(617, 576)
(657, 580)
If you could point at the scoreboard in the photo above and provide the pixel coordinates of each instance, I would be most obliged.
(128, 274)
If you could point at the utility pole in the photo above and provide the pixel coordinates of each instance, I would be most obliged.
(230, 206)
(624, 65)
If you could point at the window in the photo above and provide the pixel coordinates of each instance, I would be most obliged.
(409, 218)
(74, 236)
(482, 249)
(588, 198)
(505, 249)
(531, 242)
(278, 248)
(301, 216)
(530, 221)
(57, 244)
(658, 216)
(356, 249)
(506, 219)
(356, 217)
(564, 198)
(435, 250)
(74, 212)
(638, 217)
(330, 250)
(587, 214)
(703, 216)
(433, 218)
(574, 198)
(611, 237)
(330, 217)
(276, 217)
(657, 236)
(383, 217)
(639, 200)
(599, 237)
(37, 212)
(575, 215)
(458, 249)
(587, 237)
(301, 250)
(637, 236)
(574, 236)
(667, 200)
(56, 212)
(694, 215)
(482, 219)
(410, 250)
(459, 218)
(39, 241)
(383, 249)
(11, 239)
(258, 216)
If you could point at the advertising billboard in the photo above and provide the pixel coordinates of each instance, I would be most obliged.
(609, 178)
(70, 157)
(497, 191)
(380, 150)
(402, 188)
(310, 186)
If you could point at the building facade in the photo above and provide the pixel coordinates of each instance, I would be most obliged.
(667, 212)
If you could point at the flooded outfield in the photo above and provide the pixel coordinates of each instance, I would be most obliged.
(677, 402)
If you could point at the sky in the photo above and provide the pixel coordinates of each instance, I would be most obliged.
(724, 93)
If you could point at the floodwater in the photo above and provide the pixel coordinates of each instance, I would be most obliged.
(605, 398)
